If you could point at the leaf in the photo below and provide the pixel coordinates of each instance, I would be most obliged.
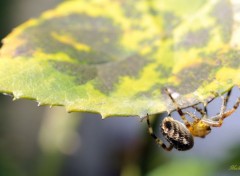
(178, 167)
(115, 57)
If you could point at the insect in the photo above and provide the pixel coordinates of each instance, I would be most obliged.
(181, 135)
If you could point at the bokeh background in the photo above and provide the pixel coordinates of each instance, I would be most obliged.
(37, 141)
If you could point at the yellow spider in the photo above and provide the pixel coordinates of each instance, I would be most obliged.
(180, 135)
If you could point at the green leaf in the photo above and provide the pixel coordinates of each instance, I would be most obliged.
(115, 57)
(185, 167)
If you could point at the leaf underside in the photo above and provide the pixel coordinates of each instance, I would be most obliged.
(115, 57)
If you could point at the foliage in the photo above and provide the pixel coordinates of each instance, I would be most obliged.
(115, 57)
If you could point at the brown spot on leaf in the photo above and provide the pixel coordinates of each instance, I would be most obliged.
(109, 74)
(223, 14)
(193, 39)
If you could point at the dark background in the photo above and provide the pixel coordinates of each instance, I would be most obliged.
(49, 141)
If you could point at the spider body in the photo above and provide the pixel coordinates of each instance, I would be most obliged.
(199, 128)
(180, 135)
(177, 134)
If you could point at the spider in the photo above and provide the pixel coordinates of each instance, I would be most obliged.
(180, 135)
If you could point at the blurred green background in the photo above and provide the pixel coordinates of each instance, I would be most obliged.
(37, 141)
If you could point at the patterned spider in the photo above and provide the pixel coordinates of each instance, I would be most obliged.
(179, 135)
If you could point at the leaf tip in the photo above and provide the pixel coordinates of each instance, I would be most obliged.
(40, 104)
(104, 116)
(14, 99)
(17, 95)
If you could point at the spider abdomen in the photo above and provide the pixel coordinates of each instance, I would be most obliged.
(177, 134)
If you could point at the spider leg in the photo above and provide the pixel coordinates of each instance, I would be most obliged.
(223, 106)
(221, 117)
(231, 111)
(195, 118)
(225, 101)
(205, 109)
(158, 140)
(202, 112)
(180, 112)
